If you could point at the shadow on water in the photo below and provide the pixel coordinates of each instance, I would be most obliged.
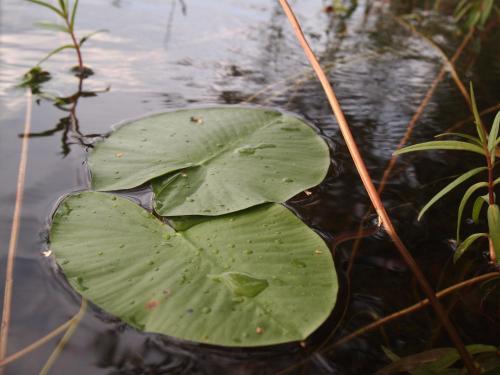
(163, 55)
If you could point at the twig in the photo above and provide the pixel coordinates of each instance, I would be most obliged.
(64, 340)
(411, 309)
(372, 192)
(14, 234)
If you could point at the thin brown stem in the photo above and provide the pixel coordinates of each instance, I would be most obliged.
(413, 308)
(28, 349)
(372, 191)
(65, 339)
(14, 234)
(461, 123)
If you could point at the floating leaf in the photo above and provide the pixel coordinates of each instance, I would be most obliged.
(459, 180)
(441, 145)
(212, 161)
(494, 228)
(466, 244)
(226, 281)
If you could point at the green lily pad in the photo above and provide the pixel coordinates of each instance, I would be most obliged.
(252, 278)
(212, 161)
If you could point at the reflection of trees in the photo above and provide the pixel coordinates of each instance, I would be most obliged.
(68, 125)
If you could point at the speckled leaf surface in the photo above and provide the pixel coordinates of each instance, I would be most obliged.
(212, 161)
(252, 278)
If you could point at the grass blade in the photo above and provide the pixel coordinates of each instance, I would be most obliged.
(478, 205)
(464, 201)
(62, 4)
(494, 228)
(450, 187)
(493, 137)
(477, 118)
(57, 50)
(461, 135)
(466, 244)
(88, 36)
(52, 26)
(441, 145)
(73, 15)
(47, 5)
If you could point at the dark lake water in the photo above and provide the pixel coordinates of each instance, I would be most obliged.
(159, 55)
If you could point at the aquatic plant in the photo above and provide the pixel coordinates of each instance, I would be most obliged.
(486, 145)
(67, 14)
(474, 13)
(238, 276)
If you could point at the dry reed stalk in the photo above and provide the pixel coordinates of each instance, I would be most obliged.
(372, 192)
(14, 234)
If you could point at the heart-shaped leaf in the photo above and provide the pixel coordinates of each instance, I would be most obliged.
(251, 278)
(212, 161)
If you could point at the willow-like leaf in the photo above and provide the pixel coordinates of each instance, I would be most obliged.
(464, 201)
(493, 137)
(73, 15)
(52, 26)
(57, 50)
(449, 188)
(88, 36)
(471, 138)
(441, 145)
(48, 6)
(477, 118)
(494, 228)
(62, 4)
(466, 244)
(478, 205)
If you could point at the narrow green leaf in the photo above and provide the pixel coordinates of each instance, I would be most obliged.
(478, 205)
(461, 9)
(52, 26)
(466, 244)
(62, 4)
(57, 50)
(461, 135)
(494, 228)
(450, 187)
(73, 15)
(477, 118)
(464, 201)
(390, 354)
(492, 138)
(88, 36)
(47, 5)
(486, 11)
(441, 145)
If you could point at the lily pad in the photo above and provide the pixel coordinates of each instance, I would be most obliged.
(252, 278)
(212, 161)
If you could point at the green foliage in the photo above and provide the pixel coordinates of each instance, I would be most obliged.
(486, 145)
(252, 278)
(474, 13)
(440, 361)
(212, 161)
(34, 78)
